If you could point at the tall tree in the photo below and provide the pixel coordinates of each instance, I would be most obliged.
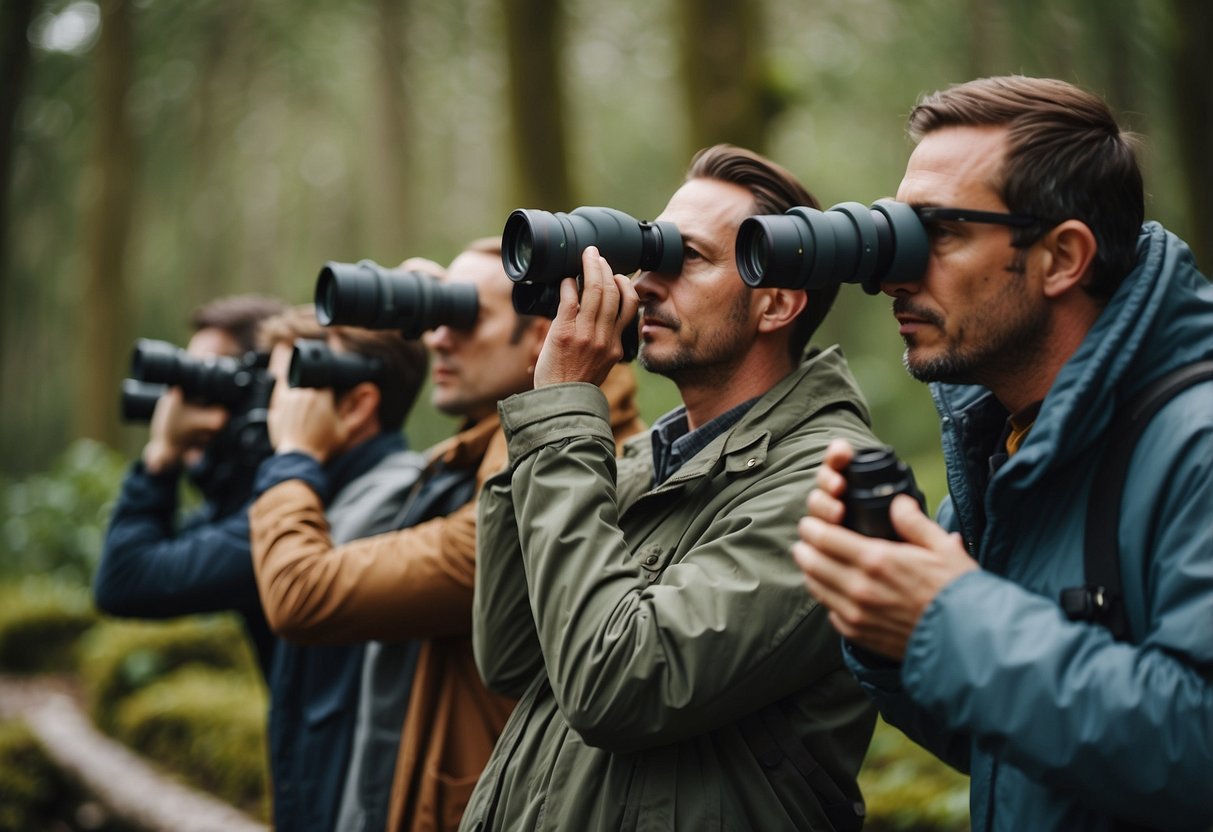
(15, 17)
(723, 72)
(109, 204)
(392, 225)
(1192, 90)
(534, 34)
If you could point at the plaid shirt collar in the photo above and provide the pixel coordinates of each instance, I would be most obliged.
(673, 444)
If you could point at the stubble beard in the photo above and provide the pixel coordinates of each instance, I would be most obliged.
(710, 360)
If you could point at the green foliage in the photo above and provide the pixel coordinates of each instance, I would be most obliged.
(53, 522)
(32, 789)
(208, 725)
(40, 622)
(906, 788)
(119, 658)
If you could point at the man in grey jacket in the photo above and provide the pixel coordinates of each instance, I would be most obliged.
(1035, 323)
(673, 673)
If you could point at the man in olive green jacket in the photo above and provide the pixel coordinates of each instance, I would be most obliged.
(673, 673)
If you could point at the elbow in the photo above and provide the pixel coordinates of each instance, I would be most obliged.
(608, 732)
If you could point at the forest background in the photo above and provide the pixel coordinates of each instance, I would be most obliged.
(157, 154)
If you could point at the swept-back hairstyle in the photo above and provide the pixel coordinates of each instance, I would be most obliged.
(775, 190)
(1066, 159)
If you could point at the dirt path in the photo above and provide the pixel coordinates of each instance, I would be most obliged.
(124, 783)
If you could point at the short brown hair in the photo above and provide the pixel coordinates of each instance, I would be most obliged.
(404, 361)
(238, 316)
(1066, 159)
(775, 190)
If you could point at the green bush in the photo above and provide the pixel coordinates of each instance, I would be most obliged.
(53, 523)
(32, 789)
(40, 622)
(208, 725)
(906, 788)
(118, 658)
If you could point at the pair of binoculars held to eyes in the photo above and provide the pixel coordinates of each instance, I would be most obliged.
(802, 249)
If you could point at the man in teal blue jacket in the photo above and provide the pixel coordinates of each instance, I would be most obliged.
(1034, 323)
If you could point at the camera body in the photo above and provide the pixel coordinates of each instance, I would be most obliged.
(367, 295)
(874, 477)
(810, 249)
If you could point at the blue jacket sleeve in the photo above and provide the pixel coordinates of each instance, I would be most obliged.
(150, 570)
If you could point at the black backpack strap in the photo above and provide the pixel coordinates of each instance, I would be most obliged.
(1101, 600)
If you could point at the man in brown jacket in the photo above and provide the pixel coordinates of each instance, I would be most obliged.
(416, 583)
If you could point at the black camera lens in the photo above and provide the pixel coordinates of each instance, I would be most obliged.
(874, 477)
(366, 294)
(138, 400)
(810, 249)
(545, 247)
(213, 380)
(315, 364)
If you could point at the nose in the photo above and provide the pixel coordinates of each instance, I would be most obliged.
(651, 286)
(438, 339)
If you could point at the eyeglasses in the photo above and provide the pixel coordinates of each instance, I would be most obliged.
(931, 214)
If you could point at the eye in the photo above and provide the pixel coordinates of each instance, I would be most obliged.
(689, 253)
(939, 231)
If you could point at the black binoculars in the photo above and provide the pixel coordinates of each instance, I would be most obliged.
(849, 243)
(220, 380)
(874, 477)
(315, 364)
(540, 248)
(367, 295)
(138, 400)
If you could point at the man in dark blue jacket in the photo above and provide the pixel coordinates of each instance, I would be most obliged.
(1045, 307)
(149, 570)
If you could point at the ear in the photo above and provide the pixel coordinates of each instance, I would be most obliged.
(1067, 252)
(778, 308)
(359, 406)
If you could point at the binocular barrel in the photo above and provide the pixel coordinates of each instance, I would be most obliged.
(214, 380)
(138, 400)
(849, 243)
(367, 295)
(874, 477)
(544, 247)
(315, 364)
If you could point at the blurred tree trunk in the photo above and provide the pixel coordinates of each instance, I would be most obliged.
(534, 38)
(15, 17)
(1192, 88)
(987, 37)
(727, 96)
(109, 204)
(392, 226)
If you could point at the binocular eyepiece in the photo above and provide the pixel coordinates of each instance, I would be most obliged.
(874, 477)
(315, 364)
(810, 249)
(367, 295)
(214, 380)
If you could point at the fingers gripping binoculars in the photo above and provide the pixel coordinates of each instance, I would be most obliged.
(539, 249)
(849, 243)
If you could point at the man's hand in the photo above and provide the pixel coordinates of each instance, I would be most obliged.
(584, 342)
(305, 419)
(177, 427)
(876, 590)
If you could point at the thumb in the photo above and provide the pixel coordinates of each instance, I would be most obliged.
(914, 526)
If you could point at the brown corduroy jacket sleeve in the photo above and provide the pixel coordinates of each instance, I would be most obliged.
(416, 582)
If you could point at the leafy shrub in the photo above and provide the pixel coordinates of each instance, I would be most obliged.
(207, 724)
(31, 788)
(53, 523)
(906, 788)
(118, 658)
(40, 622)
